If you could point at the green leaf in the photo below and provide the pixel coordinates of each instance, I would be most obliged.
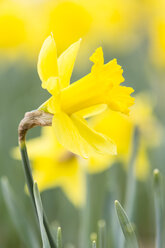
(45, 240)
(54, 230)
(126, 226)
(19, 217)
(158, 199)
(130, 192)
(30, 184)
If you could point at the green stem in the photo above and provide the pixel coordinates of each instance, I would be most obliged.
(30, 184)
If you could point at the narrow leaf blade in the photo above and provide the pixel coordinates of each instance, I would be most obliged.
(158, 200)
(19, 217)
(39, 208)
(126, 226)
(59, 238)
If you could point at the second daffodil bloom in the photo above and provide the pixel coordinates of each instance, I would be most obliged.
(120, 128)
(53, 166)
(71, 104)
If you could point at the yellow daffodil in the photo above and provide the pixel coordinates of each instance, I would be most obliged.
(12, 27)
(67, 19)
(22, 28)
(71, 104)
(156, 27)
(116, 21)
(54, 166)
(23, 24)
(157, 49)
(120, 129)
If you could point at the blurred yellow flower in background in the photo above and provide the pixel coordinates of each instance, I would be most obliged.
(120, 128)
(156, 31)
(13, 29)
(24, 24)
(157, 38)
(54, 166)
(70, 104)
(115, 21)
(117, 24)
(22, 28)
(68, 21)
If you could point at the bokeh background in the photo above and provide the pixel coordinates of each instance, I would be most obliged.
(133, 31)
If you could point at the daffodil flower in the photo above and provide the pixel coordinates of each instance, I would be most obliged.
(70, 104)
(54, 166)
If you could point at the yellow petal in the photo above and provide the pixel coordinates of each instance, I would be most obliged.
(52, 85)
(47, 60)
(74, 183)
(117, 126)
(50, 173)
(97, 58)
(66, 63)
(68, 134)
(99, 162)
(53, 105)
(99, 142)
(92, 111)
(142, 163)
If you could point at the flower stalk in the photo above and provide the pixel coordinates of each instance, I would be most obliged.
(30, 120)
